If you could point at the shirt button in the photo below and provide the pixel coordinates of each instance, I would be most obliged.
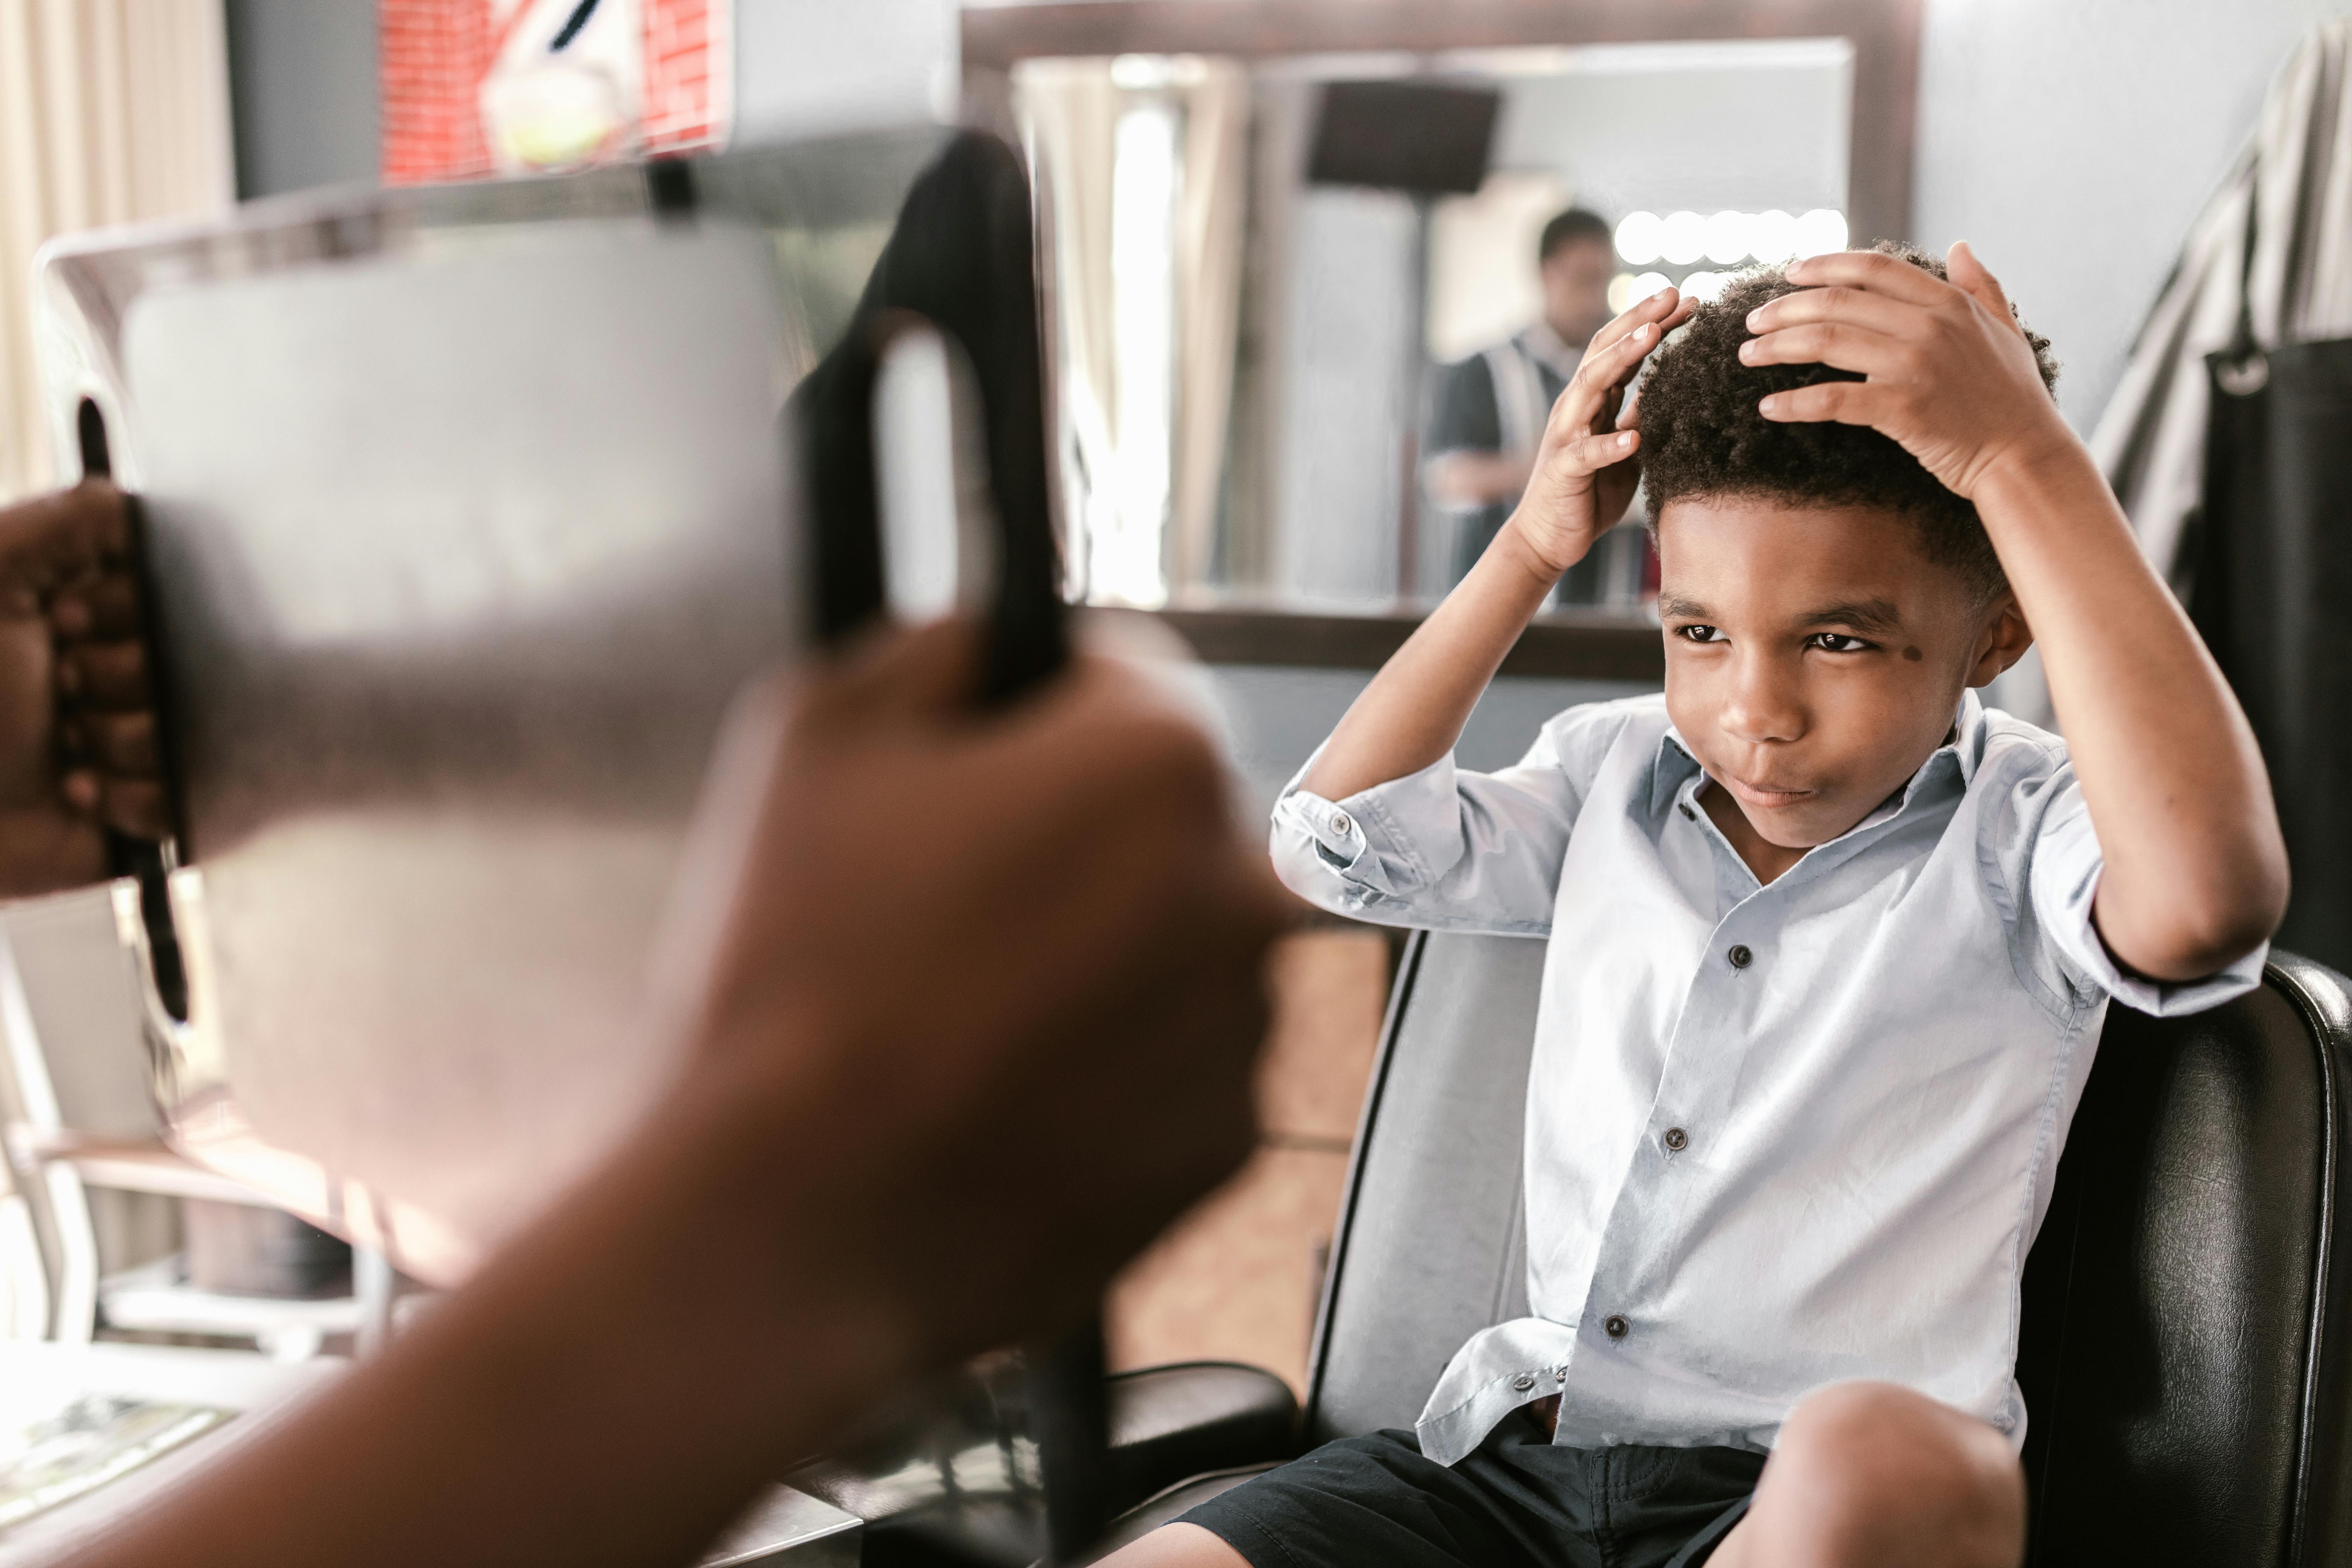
(1559, 1374)
(1741, 957)
(1683, 806)
(1675, 1140)
(1339, 824)
(1524, 1382)
(1616, 1326)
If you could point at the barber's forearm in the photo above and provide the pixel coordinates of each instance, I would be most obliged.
(611, 1391)
(2195, 866)
(1414, 708)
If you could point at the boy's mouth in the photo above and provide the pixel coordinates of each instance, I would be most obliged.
(1764, 795)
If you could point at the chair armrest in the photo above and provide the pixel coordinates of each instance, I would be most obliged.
(1171, 1423)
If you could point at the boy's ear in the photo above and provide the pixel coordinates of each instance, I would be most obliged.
(2002, 641)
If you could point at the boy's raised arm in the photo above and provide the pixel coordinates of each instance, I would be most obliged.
(2196, 870)
(1414, 708)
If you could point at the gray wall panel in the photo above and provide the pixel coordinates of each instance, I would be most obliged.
(302, 86)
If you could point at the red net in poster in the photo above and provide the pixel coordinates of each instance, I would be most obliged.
(475, 88)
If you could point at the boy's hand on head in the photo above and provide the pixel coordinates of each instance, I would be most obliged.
(1584, 475)
(1948, 373)
(2193, 871)
(1586, 466)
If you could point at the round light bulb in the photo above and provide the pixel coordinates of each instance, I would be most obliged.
(1684, 239)
(1726, 238)
(1649, 283)
(1772, 236)
(1638, 236)
(1820, 232)
(1620, 293)
(1707, 286)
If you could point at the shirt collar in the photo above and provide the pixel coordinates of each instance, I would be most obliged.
(1674, 766)
(1677, 764)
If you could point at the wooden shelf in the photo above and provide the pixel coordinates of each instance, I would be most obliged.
(1568, 646)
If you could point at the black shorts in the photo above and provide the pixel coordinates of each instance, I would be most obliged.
(1517, 1502)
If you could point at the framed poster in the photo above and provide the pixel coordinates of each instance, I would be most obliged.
(477, 87)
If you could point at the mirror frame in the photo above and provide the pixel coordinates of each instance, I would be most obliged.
(1885, 34)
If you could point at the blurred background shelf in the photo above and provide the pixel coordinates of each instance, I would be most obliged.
(125, 1164)
(1564, 645)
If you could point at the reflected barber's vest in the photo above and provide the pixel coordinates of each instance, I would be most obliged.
(1523, 390)
(1528, 372)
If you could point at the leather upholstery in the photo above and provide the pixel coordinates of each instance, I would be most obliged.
(1171, 1421)
(2185, 1335)
(2184, 1332)
(1169, 1505)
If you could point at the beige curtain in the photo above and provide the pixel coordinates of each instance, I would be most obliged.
(112, 112)
(1070, 111)
(1212, 203)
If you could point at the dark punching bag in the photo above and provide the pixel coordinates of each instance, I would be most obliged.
(2273, 596)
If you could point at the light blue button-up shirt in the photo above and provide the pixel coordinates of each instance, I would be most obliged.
(1777, 1135)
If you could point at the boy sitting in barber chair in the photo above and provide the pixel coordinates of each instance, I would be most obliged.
(1830, 942)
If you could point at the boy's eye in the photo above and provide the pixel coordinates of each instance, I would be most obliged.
(1700, 634)
(1837, 642)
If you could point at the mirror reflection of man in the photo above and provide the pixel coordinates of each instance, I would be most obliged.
(1490, 408)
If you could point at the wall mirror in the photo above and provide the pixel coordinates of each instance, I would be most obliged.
(1265, 354)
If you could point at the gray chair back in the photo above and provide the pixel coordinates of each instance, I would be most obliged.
(1430, 1246)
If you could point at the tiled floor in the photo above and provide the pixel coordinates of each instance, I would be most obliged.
(1236, 1280)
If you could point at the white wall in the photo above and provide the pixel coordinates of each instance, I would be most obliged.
(2071, 142)
(804, 66)
(1746, 125)
(1349, 327)
(303, 93)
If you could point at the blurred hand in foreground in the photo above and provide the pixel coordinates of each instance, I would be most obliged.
(969, 1004)
(77, 723)
(1033, 945)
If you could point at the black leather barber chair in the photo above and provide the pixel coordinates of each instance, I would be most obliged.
(2185, 1336)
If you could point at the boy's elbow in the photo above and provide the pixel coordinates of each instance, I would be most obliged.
(2208, 949)
(2202, 935)
(2261, 901)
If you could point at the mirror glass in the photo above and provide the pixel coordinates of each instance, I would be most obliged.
(1288, 380)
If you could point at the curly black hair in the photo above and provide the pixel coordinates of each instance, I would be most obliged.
(1701, 434)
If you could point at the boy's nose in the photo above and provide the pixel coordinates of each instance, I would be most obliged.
(1763, 704)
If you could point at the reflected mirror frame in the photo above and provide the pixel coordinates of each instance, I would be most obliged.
(1885, 34)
